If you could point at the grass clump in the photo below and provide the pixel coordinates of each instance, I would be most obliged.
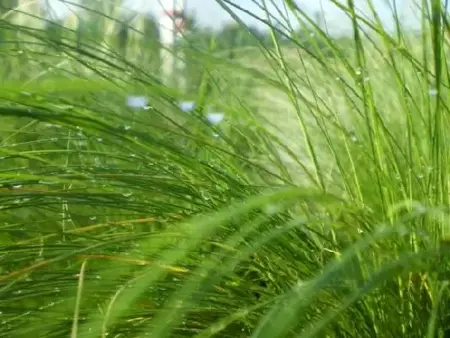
(318, 207)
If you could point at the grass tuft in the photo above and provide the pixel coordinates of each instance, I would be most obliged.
(305, 194)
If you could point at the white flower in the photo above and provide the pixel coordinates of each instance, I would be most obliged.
(215, 118)
(137, 101)
(186, 106)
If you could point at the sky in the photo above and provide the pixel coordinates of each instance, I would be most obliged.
(210, 13)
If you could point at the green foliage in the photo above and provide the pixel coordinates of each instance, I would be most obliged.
(318, 207)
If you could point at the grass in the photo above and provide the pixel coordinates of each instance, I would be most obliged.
(317, 208)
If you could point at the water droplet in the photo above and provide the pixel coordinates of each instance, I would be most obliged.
(126, 127)
(93, 218)
(433, 92)
(137, 101)
(127, 194)
(99, 139)
(17, 186)
(215, 118)
(420, 176)
(98, 277)
(312, 35)
(354, 138)
(187, 106)
(51, 125)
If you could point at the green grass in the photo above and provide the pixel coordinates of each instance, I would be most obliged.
(320, 208)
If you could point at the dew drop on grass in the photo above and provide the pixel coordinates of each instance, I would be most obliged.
(215, 118)
(127, 194)
(433, 92)
(126, 127)
(99, 139)
(187, 106)
(17, 186)
(137, 101)
(93, 218)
